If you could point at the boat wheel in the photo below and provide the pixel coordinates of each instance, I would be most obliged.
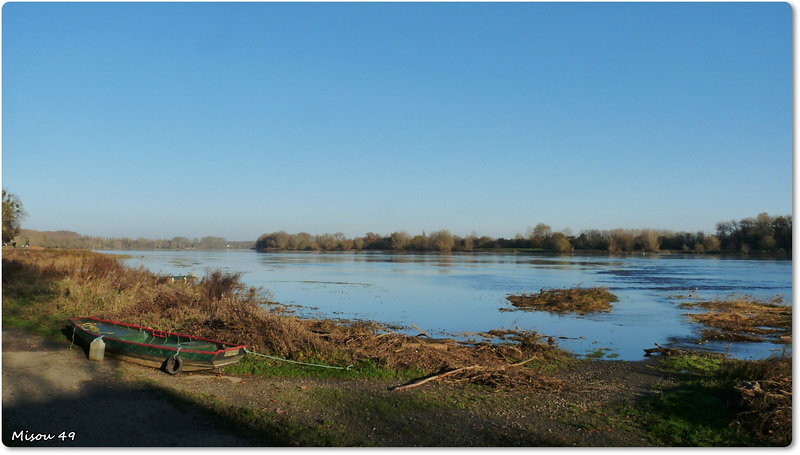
(173, 365)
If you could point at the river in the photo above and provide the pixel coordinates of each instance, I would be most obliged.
(461, 295)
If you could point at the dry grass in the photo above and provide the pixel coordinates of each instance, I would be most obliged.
(745, 318)
(43, 288)
(578, 300)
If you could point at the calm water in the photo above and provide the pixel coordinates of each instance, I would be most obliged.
(462, 294)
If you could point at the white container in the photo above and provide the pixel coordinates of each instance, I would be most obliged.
(97, 349)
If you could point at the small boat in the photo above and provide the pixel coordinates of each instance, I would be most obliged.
(171, 352)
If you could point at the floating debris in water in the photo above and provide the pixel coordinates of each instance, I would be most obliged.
(744, 318)
(578, 300)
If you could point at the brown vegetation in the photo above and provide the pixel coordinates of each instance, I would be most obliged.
(745, 318)
(579, 300)
(220, 306)
(764, 405)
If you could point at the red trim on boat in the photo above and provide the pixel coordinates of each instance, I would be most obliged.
(155, 333)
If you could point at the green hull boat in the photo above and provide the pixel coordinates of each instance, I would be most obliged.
(171, 352)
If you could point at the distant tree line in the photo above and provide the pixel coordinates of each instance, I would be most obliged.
(442, 241)
(760, 234)
(68, 239)
(764, 233)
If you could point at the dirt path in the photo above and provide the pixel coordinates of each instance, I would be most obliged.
(51, 390)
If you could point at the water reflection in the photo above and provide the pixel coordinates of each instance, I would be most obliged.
(458, 294)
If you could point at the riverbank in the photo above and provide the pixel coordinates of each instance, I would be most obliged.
(143, 406)
(518, 392)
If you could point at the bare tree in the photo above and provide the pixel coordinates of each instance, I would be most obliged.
(711, 243)
(281, 239)
(443, 240)
(539, 235)
(400, 240)
(325, 241)
(469, 242)
(650, 240)
(621, 241)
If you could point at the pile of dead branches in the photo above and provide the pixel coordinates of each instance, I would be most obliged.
(765, 405)
(504, 364)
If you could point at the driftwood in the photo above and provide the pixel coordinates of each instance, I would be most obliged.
(419, 382)
(438, 340)
(422, 381)
(421, 331)
(662, 350)
(430, 339)
(523, 362)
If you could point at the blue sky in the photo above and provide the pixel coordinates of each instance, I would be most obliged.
(233, 120)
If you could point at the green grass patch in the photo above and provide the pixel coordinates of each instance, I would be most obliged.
(699, 407)
(21, 313)
(597, 354)
(695, 365)
(365, 369)
(692, 415)
(600, 353)
(553, 361)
